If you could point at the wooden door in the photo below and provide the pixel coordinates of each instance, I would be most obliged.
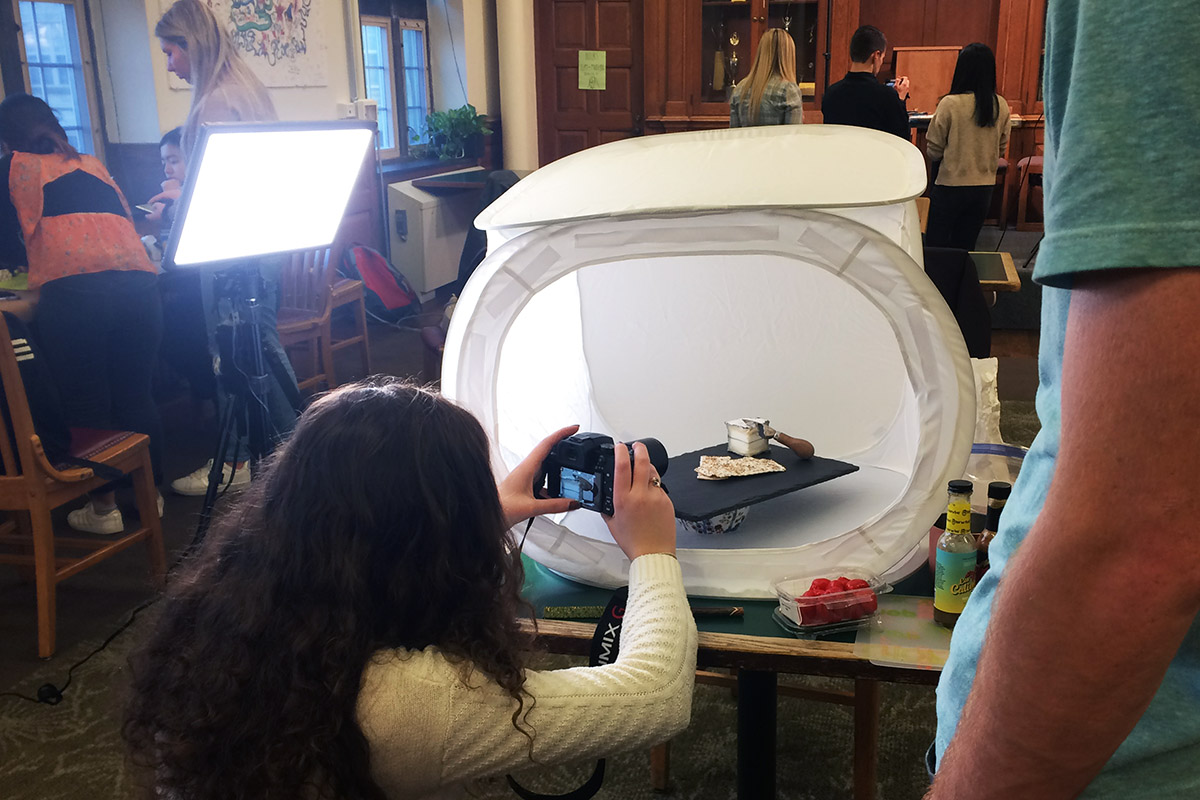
(572, 119)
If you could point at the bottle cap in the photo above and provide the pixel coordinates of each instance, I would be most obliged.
(1000, 490)
(960, 487)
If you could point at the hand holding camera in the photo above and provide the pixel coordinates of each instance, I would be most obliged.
(622, 482)
(519, 497)
(643, 521)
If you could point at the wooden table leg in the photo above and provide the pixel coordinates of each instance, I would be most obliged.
(866, 737)
(660, 767)
(756, 734)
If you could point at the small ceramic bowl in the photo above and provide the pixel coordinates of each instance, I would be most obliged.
(721, 523)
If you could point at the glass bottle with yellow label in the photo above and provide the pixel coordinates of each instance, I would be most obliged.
(954, 575)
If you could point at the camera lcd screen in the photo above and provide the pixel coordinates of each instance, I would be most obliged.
(578, 486)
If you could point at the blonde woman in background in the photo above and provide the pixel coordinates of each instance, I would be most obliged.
(199, 50)
(769, 95)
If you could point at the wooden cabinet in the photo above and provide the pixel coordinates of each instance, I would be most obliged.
(929, 70)
(729, 35)
(695, 50)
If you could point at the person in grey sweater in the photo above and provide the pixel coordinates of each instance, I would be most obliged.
(967, 136)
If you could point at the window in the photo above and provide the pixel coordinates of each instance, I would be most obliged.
(55, 66)
(377, 66)
(416, 78)
(401, 93)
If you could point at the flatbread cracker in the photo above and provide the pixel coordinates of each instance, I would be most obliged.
(722, 467)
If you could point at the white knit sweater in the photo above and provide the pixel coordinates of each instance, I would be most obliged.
(429, 732)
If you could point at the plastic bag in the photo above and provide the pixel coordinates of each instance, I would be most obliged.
(988, 462)
(987, 400)
(991, 462)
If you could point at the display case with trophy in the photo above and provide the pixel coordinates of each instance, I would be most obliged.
(720, 38)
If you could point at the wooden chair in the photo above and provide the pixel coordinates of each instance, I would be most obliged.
(305, 307)
(1028, 194)
(348, 291)
(32, 487)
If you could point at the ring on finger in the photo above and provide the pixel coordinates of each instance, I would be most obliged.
(656, 482)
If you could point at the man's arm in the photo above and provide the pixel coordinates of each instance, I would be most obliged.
(898, 123)
(898, 117)
(1099, 596)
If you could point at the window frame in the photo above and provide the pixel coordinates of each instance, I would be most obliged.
(395, 92)
(87, 66)
(421, 25)
(393, 26)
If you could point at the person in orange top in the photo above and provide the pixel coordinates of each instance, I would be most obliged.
(99, 318)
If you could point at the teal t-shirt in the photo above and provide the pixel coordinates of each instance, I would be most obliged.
(1122, 183)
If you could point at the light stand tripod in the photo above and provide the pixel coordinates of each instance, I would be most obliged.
(304, 206)
(243, 375)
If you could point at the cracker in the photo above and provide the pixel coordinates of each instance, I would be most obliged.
(722, 467)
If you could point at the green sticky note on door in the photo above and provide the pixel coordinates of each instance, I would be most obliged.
(591, 69)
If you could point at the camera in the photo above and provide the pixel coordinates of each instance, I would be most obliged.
(580, 468)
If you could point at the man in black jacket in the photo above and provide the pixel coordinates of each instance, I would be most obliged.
(859, 98)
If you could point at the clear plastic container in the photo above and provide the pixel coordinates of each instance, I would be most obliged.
(809, 607)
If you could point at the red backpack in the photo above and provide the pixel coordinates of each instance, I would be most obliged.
(389, 297)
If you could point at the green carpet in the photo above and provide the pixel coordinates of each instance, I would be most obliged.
(1019, 422)
(73, 751)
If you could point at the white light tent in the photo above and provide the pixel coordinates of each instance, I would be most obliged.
(659, 286)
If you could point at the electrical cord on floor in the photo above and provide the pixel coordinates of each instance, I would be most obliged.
(51, 695)
(1033, 252)
(391, 324)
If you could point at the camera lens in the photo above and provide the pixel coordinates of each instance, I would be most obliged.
(657, 453)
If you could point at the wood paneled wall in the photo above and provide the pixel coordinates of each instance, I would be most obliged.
(913, 23)
(1022, 32)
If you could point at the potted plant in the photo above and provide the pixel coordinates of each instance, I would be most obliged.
(450, 131)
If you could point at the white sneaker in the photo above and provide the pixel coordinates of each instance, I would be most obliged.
(88, 520)
(196, 484)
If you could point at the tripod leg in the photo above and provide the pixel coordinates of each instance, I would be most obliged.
(228, 425)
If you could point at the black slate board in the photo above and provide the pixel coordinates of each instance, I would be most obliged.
(698, 500)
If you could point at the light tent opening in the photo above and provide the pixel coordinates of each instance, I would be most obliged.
(666, 324)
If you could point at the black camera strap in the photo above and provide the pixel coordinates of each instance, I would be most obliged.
(606, 643)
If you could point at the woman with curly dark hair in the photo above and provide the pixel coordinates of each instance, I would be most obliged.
(350, 630)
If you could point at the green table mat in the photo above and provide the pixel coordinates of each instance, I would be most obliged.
(544, 587)
(19, 282)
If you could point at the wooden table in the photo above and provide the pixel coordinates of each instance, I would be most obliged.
(997, 273)
(22, 306)
(759, 650)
